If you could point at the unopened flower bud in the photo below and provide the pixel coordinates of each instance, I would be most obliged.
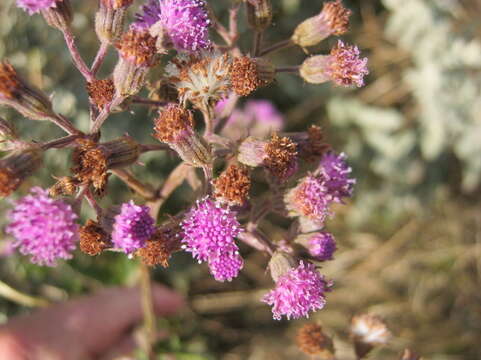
(175, 126)
(137, 50)
(233, 185)
(109, 20)
(313, 341)
(59, 16)
(333, 20)
(93, 238)
(65, 186)
(27, 100)
(16, 167)
(259, 14)
(248, 74)
(343, 66)
(91, 160)
(368, 331)
(280, 264)
(320, 246)
(252, 152)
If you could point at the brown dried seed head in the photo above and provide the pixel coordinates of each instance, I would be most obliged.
(65, 185)
(93, 239)
(101, 92)
(9, 81)
(312, 340)
(161, 246)
(90, 165)
(248, 74)
(281, 157)
(233, 185)
(138, 47)
(173, 122)
(336, 16)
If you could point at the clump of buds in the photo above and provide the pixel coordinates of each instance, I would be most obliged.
(248, 74)
(333, 20)
(175, 126)
(109, 20)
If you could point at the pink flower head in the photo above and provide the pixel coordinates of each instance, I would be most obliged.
(209, 233)
(322, 246)
(43, 227)
(298, 292)
(187, 23)
(336, 172)
(34, 6)
(345, 67)
(310, 199)
(132, 227)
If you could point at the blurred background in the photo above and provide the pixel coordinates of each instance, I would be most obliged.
(409, 241)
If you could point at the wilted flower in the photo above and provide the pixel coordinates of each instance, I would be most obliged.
(101, 92)
(233, 185)
(209, 233)
(312, 340)
(248, 74)
(368, 331)
(132, 227)
(298, 292)
(44, 228)
(93, 238)
(175, 126)
(343, 66)
(201, 79)
(333, 20)
(163, 243)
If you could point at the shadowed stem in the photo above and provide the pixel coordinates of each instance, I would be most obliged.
(104, 114)
(256, 47)
(144, 190)
(150, 327)
(61, 143)
(208, 113)
(76, 57)
(100, 57)
(287, 69)
(278, 46)
(64, 123)
(148, 102)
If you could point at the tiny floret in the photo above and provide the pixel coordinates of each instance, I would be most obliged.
(298, 292)
(209, 233)
(43, 228)
(132, 227)
(322, 246)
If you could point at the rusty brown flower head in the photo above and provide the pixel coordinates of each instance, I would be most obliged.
(137, 47)
(65, 186)
(175, 126)
(16, 167)
(233, 185)
(101, 92)
(281, 157)
(248, 74)
(312, 341)
(93, 238)
(164, 242)
(91, 160)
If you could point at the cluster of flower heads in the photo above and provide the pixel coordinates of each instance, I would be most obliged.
(304, 176)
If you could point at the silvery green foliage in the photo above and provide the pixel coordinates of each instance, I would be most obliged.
(446, 86)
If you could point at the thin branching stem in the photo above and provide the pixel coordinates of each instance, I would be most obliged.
(100, 57)
(76, 57)
(276, 47)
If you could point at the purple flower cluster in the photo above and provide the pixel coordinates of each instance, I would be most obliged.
(346, 66)
(313, 195)
(34, 6)
(298, 292)
(132, 227)
(322, 246)
(185, 21)
(209, 233)
(43, 228)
